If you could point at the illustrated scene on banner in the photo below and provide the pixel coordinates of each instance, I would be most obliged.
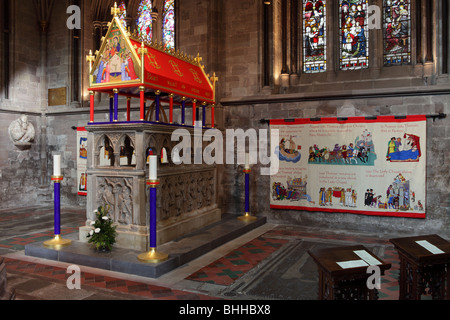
(363, 167)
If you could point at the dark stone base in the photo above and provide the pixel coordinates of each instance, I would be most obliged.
(180, 251)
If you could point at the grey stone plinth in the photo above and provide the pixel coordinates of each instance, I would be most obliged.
(180, 251)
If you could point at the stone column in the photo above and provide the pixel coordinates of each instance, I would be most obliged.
(43, 12)
(284, 74)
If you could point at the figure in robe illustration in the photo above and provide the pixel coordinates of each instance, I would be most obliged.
(100, 71)
(125, 70)
(131, 71)
(411, 150)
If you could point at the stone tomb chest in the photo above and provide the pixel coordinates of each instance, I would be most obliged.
(117, 174)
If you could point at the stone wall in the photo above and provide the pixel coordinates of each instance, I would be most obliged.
(28, 172)
(62, 139)
(26, 84)
(438, 173)
(244, 101)
(19, 169)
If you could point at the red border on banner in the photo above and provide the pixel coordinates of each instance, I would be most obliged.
(343, 120)
(349, 119)
(81, 129)
(398, 214)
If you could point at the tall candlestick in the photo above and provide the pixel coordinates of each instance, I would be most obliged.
(153, 256)
(57, 242)
(153, 172)
(247, 217)
(57, 165)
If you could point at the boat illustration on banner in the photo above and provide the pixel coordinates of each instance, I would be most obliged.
(288, 150)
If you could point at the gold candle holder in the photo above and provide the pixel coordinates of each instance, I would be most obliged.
(57, 242)
(153, 256)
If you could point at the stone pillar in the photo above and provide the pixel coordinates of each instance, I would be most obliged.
(5, 293)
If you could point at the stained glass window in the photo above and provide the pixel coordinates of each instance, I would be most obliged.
(314, 36)
(397, 32)
(144, 21)
(169, 24)
(354, 34)
(123, 13)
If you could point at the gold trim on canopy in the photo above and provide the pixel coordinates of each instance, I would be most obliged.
(125, 56)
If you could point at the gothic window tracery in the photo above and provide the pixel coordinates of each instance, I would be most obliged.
(144, 21)
(123, 13)
(169, 24)
(354, 34)
(397, 32)
(314, 36)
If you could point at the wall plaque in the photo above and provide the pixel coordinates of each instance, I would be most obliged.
(57, 97)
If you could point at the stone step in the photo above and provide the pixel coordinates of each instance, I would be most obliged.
(180, 251)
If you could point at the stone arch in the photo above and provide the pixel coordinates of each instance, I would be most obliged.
(104, 142)
(127, 147)
(123, 138)
(150, 142)
(167, 145)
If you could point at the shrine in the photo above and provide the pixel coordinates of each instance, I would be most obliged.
(119, 149)
(266, 151)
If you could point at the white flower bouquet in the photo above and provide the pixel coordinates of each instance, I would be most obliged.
(103, 236)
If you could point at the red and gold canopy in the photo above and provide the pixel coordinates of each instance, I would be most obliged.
(126, 64)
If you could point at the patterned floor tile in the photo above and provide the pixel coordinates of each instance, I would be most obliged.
(19, 243)
(238, 262)
(39, 271)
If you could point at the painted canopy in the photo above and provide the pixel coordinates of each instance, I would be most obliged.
(118, 65)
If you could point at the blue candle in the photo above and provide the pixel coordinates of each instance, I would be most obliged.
(57, 202)
(247, 193)
(152, 217)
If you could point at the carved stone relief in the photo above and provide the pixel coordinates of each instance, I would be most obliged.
(117, 194)
(182, 194)
(22, 133)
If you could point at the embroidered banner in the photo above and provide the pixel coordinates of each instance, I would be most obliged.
(359, 166)
(82, 161)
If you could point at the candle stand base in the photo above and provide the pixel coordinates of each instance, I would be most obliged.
(57, 242)
(153, 256)
(247, 217)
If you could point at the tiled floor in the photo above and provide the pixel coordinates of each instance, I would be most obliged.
(235, 264)
(267, 263)
(35, 278)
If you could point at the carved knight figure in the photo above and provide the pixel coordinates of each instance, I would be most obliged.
(22, 133)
